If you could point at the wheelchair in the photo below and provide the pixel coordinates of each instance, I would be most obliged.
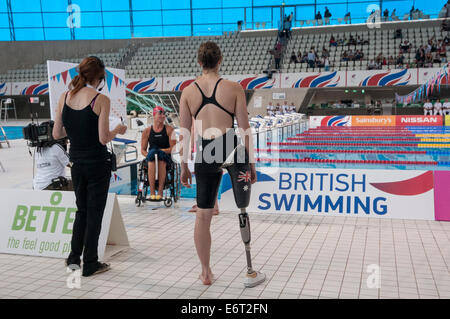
(172, 187)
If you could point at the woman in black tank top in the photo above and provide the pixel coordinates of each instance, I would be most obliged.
(83, 115)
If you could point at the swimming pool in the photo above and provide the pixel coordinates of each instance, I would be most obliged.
(12, 132)
(402, 148)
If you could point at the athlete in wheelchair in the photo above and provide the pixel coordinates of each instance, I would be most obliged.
(158, 171)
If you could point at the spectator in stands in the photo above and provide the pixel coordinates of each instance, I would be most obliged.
(348, 18)
(411, 13)
(446, 40)
(359, 55)
(446, 107)
(437, 107)
(379, 59)
(386, 15)
(293, 58)
(393, 15)
(326, 65)
(400, 60)
(428, 47)
(277, 55)
(443, 52)
(270, 108)
(427, 108)
(437, 57)
(428, 60)
(325, 53)
(391, 60)
(372, 65)
(304, 57)
(340, 41)
(287, 25)
(318, 16)
(311, 58)
(351, 41)
(292, 108)
(398, 34)
(405, 46)
(278, 109)
(333, 41)
(345, 56)
(327, 16)
(420, 57)
(285, 107)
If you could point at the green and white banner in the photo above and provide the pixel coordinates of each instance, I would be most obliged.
(40, 223)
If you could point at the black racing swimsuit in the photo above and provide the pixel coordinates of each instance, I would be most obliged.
(211, 154)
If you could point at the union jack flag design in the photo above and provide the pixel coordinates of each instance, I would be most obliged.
(244, 177)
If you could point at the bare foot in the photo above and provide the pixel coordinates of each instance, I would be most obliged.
(207, 279)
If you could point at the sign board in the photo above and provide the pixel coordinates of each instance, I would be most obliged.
(447, 120)
(60, 74)
(405, 194)
(258, 102)
(40, 223)
(279, 96)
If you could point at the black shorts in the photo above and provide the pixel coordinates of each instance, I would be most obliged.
(211, 154)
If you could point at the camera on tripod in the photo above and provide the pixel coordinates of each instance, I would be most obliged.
(38, 134)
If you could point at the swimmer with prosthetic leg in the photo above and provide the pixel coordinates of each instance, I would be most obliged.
(214, 103)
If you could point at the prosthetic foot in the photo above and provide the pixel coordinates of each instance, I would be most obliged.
(253, 278)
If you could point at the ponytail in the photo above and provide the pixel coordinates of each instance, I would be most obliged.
(90, 69)
(77, 83)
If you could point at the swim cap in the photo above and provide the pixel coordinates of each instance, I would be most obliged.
(157, 108)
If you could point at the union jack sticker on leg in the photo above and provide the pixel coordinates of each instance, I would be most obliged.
(244, 177)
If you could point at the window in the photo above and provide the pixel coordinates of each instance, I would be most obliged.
(206, 4)
(88, 5)
(171, 17)
(147, 18)
(25, 6)
(174, 5)
(146, 32)
(207, 16)
(146, 5)
(4, 22)
(91, 19)
(89, 33)
(176, 31)
(57, 33)
(27, 20)
(233, 15)
(117, 32)
(116, 5)
(213, 29)
(56, 19)
(5, 35)
(27, 34)
(112, 19)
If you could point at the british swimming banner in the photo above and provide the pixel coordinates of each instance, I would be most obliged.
(405, 194)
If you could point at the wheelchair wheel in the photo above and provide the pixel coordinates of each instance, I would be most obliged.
(138, 200)
(168, 202)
